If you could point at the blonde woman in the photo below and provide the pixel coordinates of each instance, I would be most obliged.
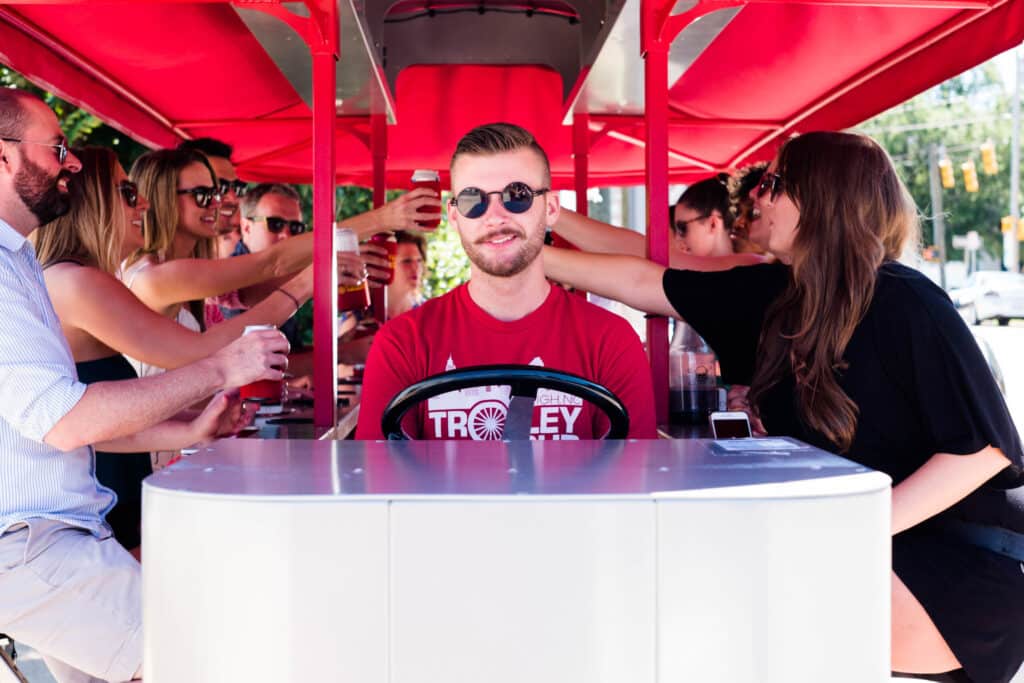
(102, 319)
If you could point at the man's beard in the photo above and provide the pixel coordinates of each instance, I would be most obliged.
(40, 193)
(528, 252)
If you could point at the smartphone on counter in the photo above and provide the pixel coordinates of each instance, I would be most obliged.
(730, 424)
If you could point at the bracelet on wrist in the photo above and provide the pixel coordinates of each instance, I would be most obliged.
(292, 297)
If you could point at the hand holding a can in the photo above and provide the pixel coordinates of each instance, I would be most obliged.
(260, 354)
(418, 209)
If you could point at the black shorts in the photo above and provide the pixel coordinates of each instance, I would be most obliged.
(974, 596)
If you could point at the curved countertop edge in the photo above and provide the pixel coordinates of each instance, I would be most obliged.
(825, 487)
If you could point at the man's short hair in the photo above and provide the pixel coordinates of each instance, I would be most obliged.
(258, 192)
(13, 113)
(495, 138)
(211, 147)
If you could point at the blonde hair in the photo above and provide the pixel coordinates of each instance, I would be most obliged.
(92, 232)
(156, 174)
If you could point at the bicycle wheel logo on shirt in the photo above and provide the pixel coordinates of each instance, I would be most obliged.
(479, 413)
(487, 420)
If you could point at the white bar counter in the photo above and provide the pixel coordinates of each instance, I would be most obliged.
(572, 562)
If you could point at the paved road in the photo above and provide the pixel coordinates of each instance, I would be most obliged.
(1007, 343)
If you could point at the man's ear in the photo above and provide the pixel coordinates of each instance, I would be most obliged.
(552, 207)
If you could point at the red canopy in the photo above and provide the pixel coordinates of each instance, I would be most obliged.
(163, 71)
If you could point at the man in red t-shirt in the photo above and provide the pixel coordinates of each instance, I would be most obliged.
(507, 313)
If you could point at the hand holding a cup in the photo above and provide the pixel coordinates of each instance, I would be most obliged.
(351, 269)
(257, 355)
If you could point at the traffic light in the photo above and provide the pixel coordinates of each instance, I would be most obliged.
(1006, 224)
(970, 176)
(988, 158)
(946, 173)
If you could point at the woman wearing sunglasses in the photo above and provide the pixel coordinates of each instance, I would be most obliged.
(847, 349)
(172, 267)
(702, 222)
(102, 319)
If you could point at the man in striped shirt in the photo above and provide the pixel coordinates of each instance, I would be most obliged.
(66, 587)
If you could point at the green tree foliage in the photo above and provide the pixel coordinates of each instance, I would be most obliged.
(447, 266)
(960, 114)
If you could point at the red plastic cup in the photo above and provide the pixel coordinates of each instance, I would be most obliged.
(264, 390)
(432, 180)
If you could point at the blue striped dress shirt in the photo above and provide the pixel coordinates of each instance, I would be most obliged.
(39, 386)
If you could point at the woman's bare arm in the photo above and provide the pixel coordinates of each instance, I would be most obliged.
(165, 284)
(634, 281)
(594, 236)
(401, 213)
(600, 238)
(88, 299)
(941, 482)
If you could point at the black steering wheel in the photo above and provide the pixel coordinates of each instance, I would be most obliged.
(525, 380)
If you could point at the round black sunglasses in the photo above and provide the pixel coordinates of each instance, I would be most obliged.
(515, 197)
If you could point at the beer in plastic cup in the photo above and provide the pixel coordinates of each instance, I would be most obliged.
(386, 240)
(432, 180)
(264, 390)
(350, 297)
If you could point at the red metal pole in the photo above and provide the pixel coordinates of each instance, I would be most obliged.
(379, 152)
(325, 284)
(656, 157)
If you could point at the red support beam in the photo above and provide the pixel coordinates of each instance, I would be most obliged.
(32, 51)
(656, 158)
(323, 40)
(379, 152)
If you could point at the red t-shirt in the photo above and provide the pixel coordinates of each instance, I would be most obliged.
(566, 333)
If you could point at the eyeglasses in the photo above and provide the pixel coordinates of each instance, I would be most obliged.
(770, 182)
(203, 195)
(61, 146)
(516, 198)
(240, 187)
(275, 224)
(681, 225)
(130, 192)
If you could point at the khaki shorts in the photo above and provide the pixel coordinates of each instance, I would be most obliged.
(75, 598)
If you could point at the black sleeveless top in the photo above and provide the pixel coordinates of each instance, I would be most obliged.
(121, 472)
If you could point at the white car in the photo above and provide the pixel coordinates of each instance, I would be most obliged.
(990, 294)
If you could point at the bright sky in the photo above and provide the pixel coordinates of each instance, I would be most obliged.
(1004, 63)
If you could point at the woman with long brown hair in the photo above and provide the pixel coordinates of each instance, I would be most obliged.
(851, 351)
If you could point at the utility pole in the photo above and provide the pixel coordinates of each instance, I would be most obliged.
(1011, 247)
(935, 152)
